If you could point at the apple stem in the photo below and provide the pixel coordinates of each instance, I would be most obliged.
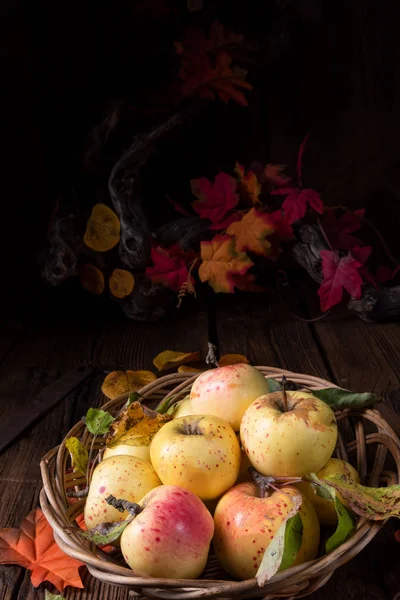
(123, 505)
(284, 394)
(262, 481)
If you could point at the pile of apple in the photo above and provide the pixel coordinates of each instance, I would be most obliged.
(193, 486)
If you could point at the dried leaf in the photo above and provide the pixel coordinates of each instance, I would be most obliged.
(248, 184)
(170, 359)
(33, 547)
(92, 279)
(122, 382)
(98, 421)
(49, 596)
(338, 231)
(295, 203)
(135, 426)
(215, 199)
(339, 273)
(252, 231)
(121, 283)
(169, 270)
(189, 369)
(220, 262)
(102, 229)
(232, 359)
(78, 453)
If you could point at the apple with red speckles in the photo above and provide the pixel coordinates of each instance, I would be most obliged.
(123, 476)
(171, 536)
(227, 392)
(200, 453)
(288, 434)
(246, 523)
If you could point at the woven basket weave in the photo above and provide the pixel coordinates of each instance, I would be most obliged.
(365, 439)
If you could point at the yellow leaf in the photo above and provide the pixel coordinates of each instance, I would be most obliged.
(78, 453)
(232, 359)
(102, 229)
(121, 283)
(189, 369)
(221, 262)
(248, 184)
(136, 426)
(123, 382)
(251, 232)
(91, 278)
(169, 359)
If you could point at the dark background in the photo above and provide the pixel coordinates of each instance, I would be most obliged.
(328, 68)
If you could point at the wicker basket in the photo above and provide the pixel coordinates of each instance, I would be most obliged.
(362, 434)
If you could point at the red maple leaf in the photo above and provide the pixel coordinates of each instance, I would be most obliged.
(338, 231)
(382, 274)
(339, 273)
(295, 203)
(215, 199)
(169, 270)
(283, 229)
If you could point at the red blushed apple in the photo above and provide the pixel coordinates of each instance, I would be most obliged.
(171, 536)
(245, 524)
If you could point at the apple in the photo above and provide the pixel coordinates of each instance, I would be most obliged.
(245, 524)
(170, 537)
(122, 476)
(200, 453)
(288, 436)
(142, 452)
(184, 408)
(326, 508)
(227, 392)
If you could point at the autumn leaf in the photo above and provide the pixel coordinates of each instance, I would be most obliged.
(248, 185)
(33, 547)
(295, 203)
(122, 382)
(92, 279)
(171, 359)
(169, 270)
(135, 426)
(121, 283)
(273, 174)
(339, 273)
(49, 596)
(78, 453)
(102, 229)
(338, 231)
(251, 232)
(232, 359)
(221, 262)
(189, 369)
(215, 199)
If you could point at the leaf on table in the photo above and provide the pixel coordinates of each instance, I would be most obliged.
(49, 596)
(92, 279)
(273, 174)
(251, 232)
(221, 262)
(271, 561)
(98, 421)
(102, 229)
(338, 231)
(232, 359)
(216, 199)
(189, 369)
(295, 204)
(339, 399)
(135, 426)
(170, 271)
(293, 541)
(171, 359)
(121, 283)
(33, 547)
(339, 273)
(78, 453)
(248, 185)
(122, 382)
(105, 533)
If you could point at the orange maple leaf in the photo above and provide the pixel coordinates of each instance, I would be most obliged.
(221, 262)
(273, 174)
(248, 184)
(34, 548)
(251, 232)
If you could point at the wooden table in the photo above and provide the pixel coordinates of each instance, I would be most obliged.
(353, 354)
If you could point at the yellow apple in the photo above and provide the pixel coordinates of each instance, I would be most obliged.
(184, 408)
(245, 524)
(291, 442)
(199, 453)
(170, 537)
(122, 476)
(227, 392)
(326, 508)
(142, 452)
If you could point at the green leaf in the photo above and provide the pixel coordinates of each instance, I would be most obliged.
(105, 533)
(49, 596)
(338, 398)
(133, 397)
(164, 405)
(273, 385)
(293, 541)
(98, 421)
(345, 527)
(78, 453)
